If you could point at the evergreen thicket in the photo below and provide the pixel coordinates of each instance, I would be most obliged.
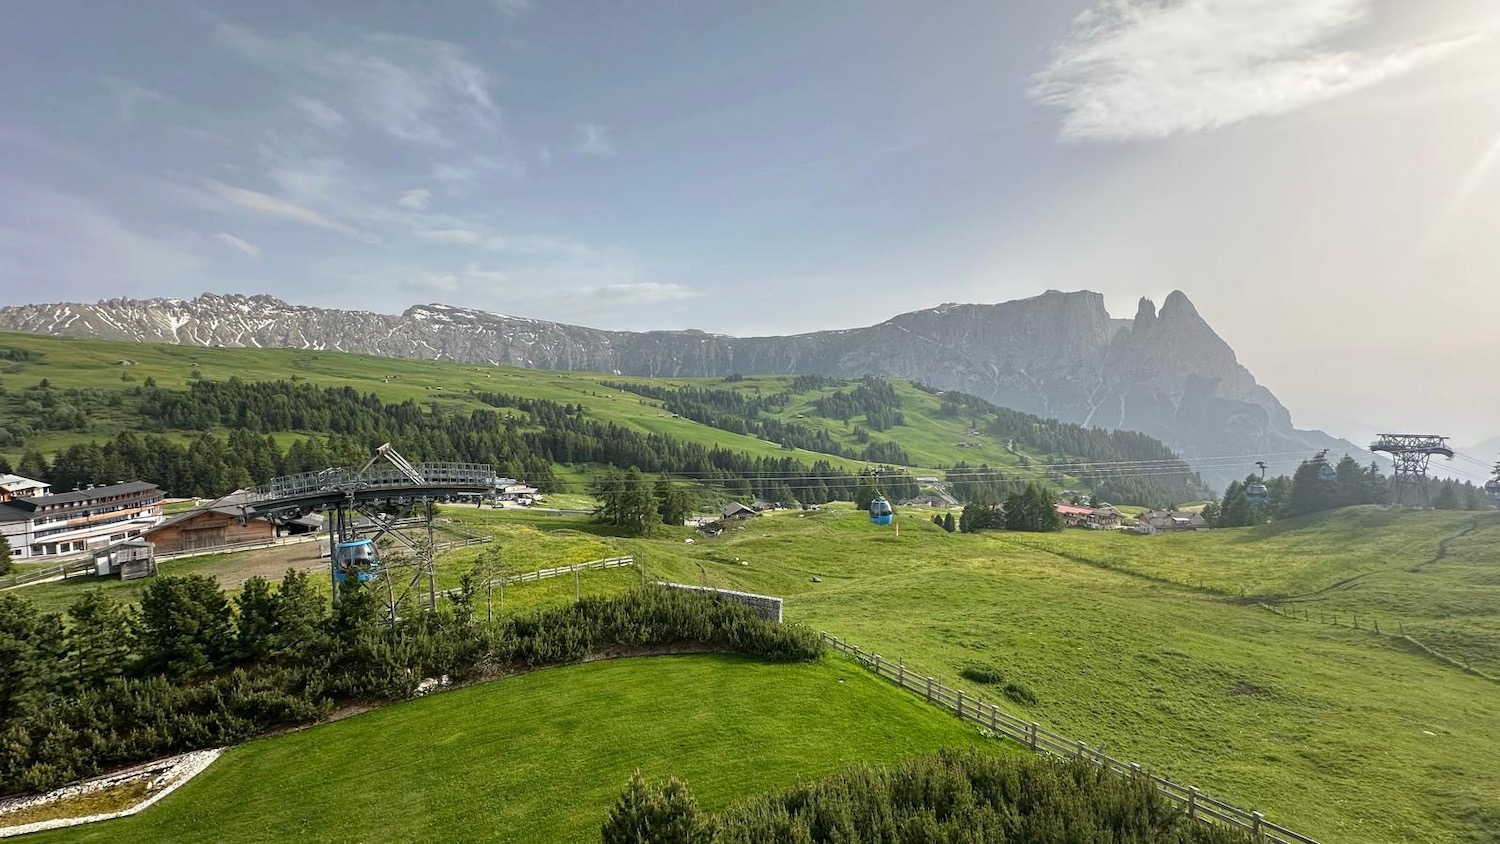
(954, 796)
(108, 686)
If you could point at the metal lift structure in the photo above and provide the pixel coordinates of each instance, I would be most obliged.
(1411, 454)
(386, 498)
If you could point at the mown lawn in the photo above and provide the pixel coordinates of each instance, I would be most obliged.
(542, 757)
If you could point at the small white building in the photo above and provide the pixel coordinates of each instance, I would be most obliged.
(15, 486)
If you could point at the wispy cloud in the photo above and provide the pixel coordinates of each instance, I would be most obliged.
(467, 237)
(605, 296)
(265, 204)
(525, 244)
(238, 244)
(414, 90)
(465, 280)
(318, 112)
(416, 199)
(513, 8)
(131, 95)
(1143, 69)
(593, 139)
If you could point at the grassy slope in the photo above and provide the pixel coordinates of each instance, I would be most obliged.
(540, 758)
(1339, 732)
(93, 364)
(1322, 727)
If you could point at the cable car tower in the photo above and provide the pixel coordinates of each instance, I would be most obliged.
(372, 503)
(1411, 454)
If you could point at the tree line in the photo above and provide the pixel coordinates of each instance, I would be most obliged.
(106, 685)
(1307, 490)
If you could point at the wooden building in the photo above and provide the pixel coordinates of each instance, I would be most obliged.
(127, 560)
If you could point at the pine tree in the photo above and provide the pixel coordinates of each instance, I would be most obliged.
(5, 558)
(100, 640)
(948, 523)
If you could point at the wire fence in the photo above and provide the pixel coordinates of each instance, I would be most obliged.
(1195, 803)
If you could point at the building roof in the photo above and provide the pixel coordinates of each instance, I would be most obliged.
(10, 481)
(1070, 510)
(734, 507)
(229, 505)
(9, 513)
(78, 496)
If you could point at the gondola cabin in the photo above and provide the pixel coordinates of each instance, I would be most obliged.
(880, 511)
(357, 558)
(1492, 489)
(1327, 473)
(1257, 493)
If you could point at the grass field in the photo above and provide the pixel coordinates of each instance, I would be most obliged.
(541, 758)
(1154, 647)
(1144, 647)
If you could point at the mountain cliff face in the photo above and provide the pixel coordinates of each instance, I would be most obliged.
(1165, 373)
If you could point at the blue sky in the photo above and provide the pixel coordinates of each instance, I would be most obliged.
(1305, 170)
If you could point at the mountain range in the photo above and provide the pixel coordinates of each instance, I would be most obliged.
(1060, 354)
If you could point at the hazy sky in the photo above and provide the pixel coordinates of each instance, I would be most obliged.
(1321, 177)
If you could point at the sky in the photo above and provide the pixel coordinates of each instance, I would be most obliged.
(1320, 177)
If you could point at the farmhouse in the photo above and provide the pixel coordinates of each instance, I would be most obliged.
(1167, 521)
(220, 524)
(68, 523)
(737, 511)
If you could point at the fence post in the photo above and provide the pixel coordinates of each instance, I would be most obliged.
(1032, 731)
(1135, 770)
(877, 665)
(1083, 749)
(901, 673)
(960, 705)
(1193, 801)
(929, 690)
(1256, 826)
(994, 711)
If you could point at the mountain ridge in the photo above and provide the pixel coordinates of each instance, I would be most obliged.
(1165, 372)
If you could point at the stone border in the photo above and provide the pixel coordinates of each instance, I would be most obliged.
(167, 775)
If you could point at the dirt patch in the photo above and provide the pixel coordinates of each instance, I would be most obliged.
(232, 570)
(1245, 688)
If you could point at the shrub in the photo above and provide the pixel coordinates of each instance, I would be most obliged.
(988, 675)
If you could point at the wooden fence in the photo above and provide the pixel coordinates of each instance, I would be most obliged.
(64, 570)
(1198, 805)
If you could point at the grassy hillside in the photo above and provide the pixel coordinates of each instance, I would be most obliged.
(1342, 733)
(922, 429)
(541, 757)
(1144, 645)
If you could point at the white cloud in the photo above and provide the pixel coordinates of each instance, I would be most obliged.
(593, 139)
(465, 280)
(413, 89)
(513, 8)
(416, 199)
(1141, 69)
(238, 244)
(131, 95)
(630, 293)
(268, 205)
(467, 237)
(318, 112)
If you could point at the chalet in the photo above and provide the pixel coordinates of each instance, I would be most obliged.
(1074, 516)
(1168, 521)
(736, 511)
(222, 523)
(83, 520)
(924, 501)
(762, 506)
(1093, 518)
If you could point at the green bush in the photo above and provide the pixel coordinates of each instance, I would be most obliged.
(986, 674)
(953, 796)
